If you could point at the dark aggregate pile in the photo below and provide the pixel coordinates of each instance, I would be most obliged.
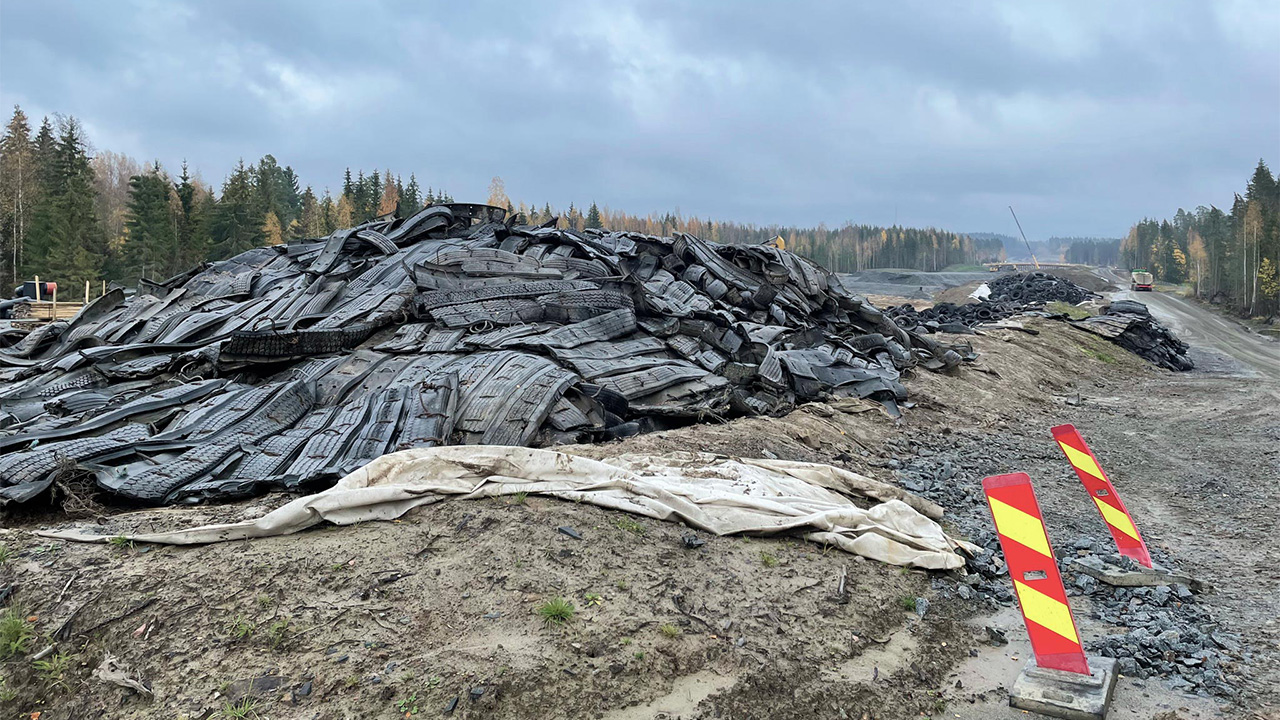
(1170, 634)
(1129, 324)
(292, 365)
(1167, 633)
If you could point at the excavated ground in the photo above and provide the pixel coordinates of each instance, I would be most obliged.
(399, 619)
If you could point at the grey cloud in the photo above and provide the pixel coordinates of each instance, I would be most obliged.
(1088, 115)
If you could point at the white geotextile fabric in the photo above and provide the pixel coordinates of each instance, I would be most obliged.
(714, 493)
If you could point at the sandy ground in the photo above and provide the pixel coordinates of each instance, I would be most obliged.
(435, 614)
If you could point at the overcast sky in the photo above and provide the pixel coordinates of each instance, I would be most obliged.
(1084, 117)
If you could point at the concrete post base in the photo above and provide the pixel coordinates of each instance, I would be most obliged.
(1138, 577)
(1066, 695)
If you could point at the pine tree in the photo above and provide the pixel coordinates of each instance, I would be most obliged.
(593, 217)
(19, 188)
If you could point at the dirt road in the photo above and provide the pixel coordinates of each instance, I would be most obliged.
(1211, 333)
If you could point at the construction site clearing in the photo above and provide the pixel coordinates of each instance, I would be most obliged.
(698, 379)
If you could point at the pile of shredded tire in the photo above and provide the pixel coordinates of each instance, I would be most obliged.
(1006, 296)
(293, 365)
(1129, 324)
(1126, 323)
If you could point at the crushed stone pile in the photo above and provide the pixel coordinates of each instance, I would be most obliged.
(293, 365)
(1129, 324)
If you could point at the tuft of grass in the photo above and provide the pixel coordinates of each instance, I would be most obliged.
(519, 498)
(265, 601)
(54, 669)
(626, 641)
(593, 599)
(669, 630)
(622, 585)
(1100, 356)
(7, 694)
(240, 628)
(351, 681)
(278, 632)
(16, 632)
(4, 554)
(1071, 311)
(556, 611)
(639, 656)
(246, 709)
(121, 542)
(908, 602)
(768, 560)
(632, 526)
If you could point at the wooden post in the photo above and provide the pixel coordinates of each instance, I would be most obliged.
(37, 288)
(104, 287)
(53, 314)
(86, 292)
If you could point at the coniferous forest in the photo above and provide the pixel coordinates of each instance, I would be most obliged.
(1229, 256)
(70, 213)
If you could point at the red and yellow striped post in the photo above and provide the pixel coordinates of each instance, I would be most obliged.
(1104, 495)
(1036, 581)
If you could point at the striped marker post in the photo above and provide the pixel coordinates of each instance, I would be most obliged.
(1036, 581)
(1104, 495)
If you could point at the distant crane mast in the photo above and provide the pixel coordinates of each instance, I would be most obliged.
(1024, 237)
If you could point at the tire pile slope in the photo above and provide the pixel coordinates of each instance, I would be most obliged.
(295, 364)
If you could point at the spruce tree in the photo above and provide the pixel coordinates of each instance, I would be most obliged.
(593, 217)
(150, 245)
(237, 226)
(67, 241)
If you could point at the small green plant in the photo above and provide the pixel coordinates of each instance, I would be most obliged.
(16, 633)
(4, 554)
(435, 680)
(54, 668)
(622, 585)
(908, 602)
(7, 694)
(519, 498)
(669, 630)
(556, 611)
(351, 681)
(593, 599)
(768, 559)
(409, 705)
(240, 628)
(1100, 356)
(246, 709)
(278, 632)
(626, 641)
(264, 601)
(632, 526)
(639, 656)
(121, 542)
(1071, 311)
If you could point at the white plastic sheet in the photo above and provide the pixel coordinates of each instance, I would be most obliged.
(720, 495)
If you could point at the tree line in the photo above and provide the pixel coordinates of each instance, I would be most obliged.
(71, 215)
(1090, 251)
(848, 248)
(1230, 257)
